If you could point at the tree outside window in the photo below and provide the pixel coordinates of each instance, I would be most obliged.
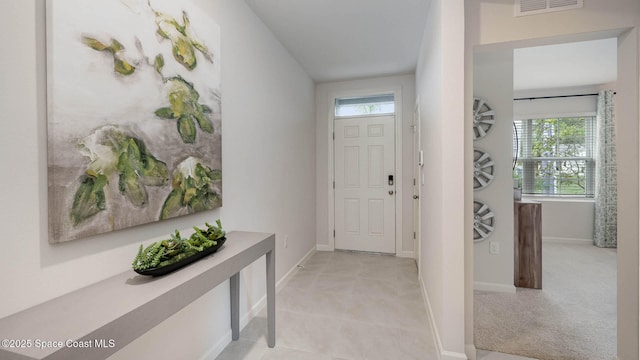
(555, 156)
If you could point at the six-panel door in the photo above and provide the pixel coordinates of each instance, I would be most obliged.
(365, 184)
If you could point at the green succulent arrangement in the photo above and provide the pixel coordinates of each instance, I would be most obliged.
(170, 251)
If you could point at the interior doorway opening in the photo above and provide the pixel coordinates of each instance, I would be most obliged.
(564, 256)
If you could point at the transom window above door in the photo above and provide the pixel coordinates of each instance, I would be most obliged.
(365, 106)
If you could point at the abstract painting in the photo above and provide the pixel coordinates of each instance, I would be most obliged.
(134, 114)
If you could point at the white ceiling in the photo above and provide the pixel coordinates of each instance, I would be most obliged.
(348, 39)
(566, 65)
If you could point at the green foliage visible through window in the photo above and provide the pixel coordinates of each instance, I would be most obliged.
(555, 156)
(368, 105)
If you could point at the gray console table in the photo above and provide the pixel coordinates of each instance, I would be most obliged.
(96, 321)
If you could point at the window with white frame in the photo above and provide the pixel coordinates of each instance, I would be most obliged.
(555, 156)
(368, 105)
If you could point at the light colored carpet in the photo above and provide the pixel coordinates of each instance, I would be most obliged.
(487, 355)
(572, 318)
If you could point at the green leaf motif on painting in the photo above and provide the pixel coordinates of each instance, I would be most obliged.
(194, 189)
(116, 46)
(94, 44)
(120, 66)
(89, 198)
(184, 53)
(186, 109)
(165, 113)
(138, 168)
(205, 124)
(204, 201)
(187, 129)
(183, 41)
(129, 185)
(172, 204)
(158, 64)
(111, 152)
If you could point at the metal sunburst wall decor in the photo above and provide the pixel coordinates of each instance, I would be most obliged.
(483, 118)
(483, 167)
(483, 221)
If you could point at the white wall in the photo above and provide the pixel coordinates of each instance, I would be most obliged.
(493, 82)
(440, 87)
(491, 22)
(494, 22)
(541, 108)
(406, 83)
(567, 220)
(269, 178)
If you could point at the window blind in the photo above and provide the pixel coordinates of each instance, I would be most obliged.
(555, 156)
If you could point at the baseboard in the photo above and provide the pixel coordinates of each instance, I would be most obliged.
(262, 303)
(470, 350)
(494, 287)
(402, 254)
(432, 324)
(406, 254)
(571, 241)
(294, 270)
(449, 355)
(323, 247)
(217, 349)
(442, 354)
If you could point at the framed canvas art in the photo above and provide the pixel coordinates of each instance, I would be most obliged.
(134, 114)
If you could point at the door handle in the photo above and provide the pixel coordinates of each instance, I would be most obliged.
(416, 197)
(390, 192)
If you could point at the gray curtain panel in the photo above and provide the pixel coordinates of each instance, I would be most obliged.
(605, 232)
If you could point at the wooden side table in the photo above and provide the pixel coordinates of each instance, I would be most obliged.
(527, 216)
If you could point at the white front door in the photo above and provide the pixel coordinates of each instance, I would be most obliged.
(365, 181)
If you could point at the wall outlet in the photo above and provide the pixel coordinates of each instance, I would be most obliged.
(286, 241)
(494, 248)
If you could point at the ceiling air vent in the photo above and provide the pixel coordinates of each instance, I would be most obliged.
(531, 7)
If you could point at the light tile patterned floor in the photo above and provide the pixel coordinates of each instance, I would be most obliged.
(344, 305)
(347, 306)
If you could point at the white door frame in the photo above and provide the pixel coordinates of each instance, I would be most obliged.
(417, 173)
(397, 94)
